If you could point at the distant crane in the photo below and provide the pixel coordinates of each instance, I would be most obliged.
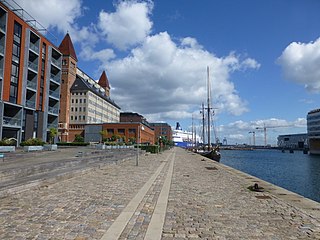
(264, 128)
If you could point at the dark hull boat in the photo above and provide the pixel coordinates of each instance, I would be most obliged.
(213, 155)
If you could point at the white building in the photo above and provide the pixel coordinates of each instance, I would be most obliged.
(91, 102)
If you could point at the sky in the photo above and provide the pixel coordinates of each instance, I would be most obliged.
(263, 56)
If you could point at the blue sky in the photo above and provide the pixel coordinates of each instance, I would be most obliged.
(264, 58)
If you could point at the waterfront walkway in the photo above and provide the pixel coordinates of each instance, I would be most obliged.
(173, 195)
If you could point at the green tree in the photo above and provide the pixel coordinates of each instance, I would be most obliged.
(52, 133)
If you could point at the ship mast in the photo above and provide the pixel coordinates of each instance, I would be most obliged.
(208, 95)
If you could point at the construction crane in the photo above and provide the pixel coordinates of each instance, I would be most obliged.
(264, 128)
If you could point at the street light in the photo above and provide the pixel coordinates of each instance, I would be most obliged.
(138, 147)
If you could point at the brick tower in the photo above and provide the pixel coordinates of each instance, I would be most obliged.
(69, 70)
(104, 82)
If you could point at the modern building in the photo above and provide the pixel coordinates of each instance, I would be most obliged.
(162, 130)
(83, 100)
(30, 73)
(294, 141)
(133, 132)
(313, 127)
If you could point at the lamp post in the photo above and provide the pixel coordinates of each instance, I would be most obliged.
(138, 145)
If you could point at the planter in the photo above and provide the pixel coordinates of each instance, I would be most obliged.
(32, 148)
(100, 146)
(50, 147)
(7, 148)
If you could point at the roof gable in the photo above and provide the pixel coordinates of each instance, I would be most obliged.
(66, 47)
(103, 81)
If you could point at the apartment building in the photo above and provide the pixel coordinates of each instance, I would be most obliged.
(83, 100)
(30, 73)
(162, 130)
(128, 132)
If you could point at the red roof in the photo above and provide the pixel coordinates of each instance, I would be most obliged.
(103, 81)
(66, 47)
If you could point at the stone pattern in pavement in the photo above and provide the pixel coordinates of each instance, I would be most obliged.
(214, 204)
(79, 208)
(206, 201)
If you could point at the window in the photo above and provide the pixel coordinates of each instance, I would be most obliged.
(76, 100)
(75, 118)
(84, 117)
(80, 109)
(17, 32)
(110, 131)
(16, 51)
(121, 131)
(71, 117)
(64, 62)
(132, 130)
(72, 109)
(44, 50)
(76, 109)
(72, 100)
(84, 109)
(84, 100)
(80, 100)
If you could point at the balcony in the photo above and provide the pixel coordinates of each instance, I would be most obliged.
(52, 125)
(34, 47)
(32, 85)
(11, 121)
(1, 49)
(54, 94)
(56, 62)
(55, 78)
(30, 104)
(3, 26)
(53, 110)
(33, 66)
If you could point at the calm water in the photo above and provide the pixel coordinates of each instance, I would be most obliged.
(296, 171)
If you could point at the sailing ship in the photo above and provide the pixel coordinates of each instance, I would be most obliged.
(212, 153)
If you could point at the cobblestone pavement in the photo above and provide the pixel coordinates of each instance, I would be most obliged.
(82, 207)
(206, 201)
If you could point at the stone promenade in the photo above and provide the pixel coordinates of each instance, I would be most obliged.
(173, 195)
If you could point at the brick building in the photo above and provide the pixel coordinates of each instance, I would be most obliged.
(83, 100)
(30, 70)
(162, 130)
(128, 132)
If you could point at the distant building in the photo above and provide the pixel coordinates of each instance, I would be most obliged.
(162, 130)
(83, 100)
(132, 132)
(313, 127)
(30, 76)
(299, 141)
(133, 117)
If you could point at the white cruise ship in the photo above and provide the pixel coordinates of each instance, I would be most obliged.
(182, 138)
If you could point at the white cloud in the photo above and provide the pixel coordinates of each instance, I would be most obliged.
(128, 25)
(167, 77)
(62, 16)
(300, 63)
(103, 55)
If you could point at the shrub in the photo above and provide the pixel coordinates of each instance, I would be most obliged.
(78, 138)
(150, 148)
(8, 142)
(32, 142)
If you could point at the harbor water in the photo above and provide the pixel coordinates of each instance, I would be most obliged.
(296, 172)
